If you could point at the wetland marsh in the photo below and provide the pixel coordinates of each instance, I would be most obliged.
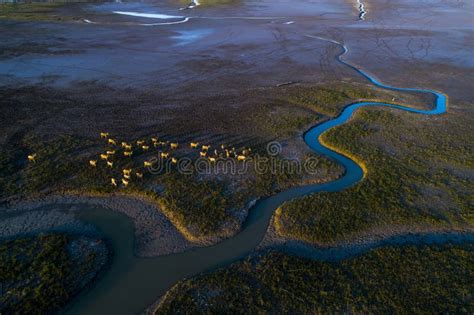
(393, 175)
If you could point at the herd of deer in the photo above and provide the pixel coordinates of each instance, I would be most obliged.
(205, 152)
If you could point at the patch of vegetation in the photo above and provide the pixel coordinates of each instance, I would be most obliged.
(388, 280)
(289, 111)
(281, 173)
(56, 163)
(283, 121)
(418, 175)
(330, 99)
(327, 100)
(203, 205)
(40, 274)
(30, 11)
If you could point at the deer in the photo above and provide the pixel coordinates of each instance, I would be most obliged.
(174, 145)
(194, 145)
(124, 182)
(104, 156)
(114, 182)
(202, 154)
(154, 140)
(127, 153)
(126, 176)
(164, 155)
(241, 157)
(128, 147)
(174, 160)
(145, 147)
(112, 142)
(104, 134)
(147, 164)
(140, 142)
(127, 171)
(139, 175)
(32, 158)
(110, 152)
(93, 163)
(110, 164)
(124, 144)
(212, 159)
(206, 147)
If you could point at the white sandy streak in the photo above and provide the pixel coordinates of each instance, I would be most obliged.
(155, 16)
(150, 15)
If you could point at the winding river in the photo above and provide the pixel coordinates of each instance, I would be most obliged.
(131, 284)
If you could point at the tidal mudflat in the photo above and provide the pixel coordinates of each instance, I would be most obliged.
(95, 96)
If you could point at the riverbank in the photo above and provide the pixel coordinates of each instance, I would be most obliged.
(154, 233)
